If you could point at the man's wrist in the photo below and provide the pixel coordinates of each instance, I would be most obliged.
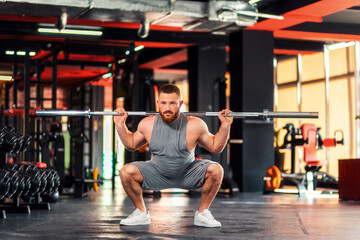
(120, 125)
(225, 125)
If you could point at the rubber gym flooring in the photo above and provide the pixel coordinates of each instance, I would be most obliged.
(247, 216)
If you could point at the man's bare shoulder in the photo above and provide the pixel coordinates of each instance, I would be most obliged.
(147, 121)
(195, 123)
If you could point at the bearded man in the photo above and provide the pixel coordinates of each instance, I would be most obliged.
(172, 139)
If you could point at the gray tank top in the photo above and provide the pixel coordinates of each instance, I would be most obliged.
(170, 155)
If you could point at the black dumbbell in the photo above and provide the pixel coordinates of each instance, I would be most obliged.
(35, 178)
(50, 181)
(20, 140)
(25, 179)
(43, 179)
(27, 141)
(9, 142)
(14, 184)
(42, 176)
(13, 142)
(4, 182)
(57, 180)
(27, 185)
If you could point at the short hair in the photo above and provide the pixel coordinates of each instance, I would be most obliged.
(170, 88)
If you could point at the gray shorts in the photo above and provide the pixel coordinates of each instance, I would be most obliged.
(192, 179)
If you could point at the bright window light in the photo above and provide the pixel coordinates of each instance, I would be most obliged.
(127, 52)
(107, 147)
(340, 45)
(70, 31)
(5, 78)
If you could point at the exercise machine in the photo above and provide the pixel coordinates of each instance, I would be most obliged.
(309, 138)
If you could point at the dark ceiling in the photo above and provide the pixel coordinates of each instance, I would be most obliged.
(173, 24)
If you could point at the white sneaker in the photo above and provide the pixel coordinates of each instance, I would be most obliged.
(205, 219)
(137, 218)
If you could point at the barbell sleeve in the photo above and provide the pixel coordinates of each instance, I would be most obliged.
(265, 114)
(59, 113)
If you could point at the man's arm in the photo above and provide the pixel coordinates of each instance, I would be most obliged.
(216, 143)
(131, 141)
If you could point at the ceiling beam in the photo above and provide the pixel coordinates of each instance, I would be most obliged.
(292, 52)
(318, 9)
(328, 27)
(150, 54)
(16, 30)
(315, 36)
(299, 45)
(168, 60)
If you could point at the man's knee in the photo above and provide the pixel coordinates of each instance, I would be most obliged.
(128, 172)
(215, 171)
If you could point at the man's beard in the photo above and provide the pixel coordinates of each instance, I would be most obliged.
(170, 119)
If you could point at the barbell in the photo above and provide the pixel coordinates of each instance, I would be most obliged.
(264, 114)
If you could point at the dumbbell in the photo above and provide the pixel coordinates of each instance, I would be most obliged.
(46, 180)
(4, 183)
(9, 141)
(19, 143)
(13, 142)
(27, 141)
(36, 181)
(15, 184)
(1, 138)
(22, 143)
(27, 185)
(57, 180)
(43, 179)
(38, 174)
(50, 181)
(25, 181)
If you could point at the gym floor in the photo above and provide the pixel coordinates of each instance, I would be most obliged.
(247, 216)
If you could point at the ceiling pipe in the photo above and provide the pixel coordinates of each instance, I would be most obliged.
(62, 21)
(144, 29)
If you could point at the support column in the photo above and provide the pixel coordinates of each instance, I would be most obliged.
(15, 88)
(137, 96)
(26, 125)
(140, 98)
(251, 70)
(206, 74)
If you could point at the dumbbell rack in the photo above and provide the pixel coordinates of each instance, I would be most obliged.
(22, 185)
(14, 205)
